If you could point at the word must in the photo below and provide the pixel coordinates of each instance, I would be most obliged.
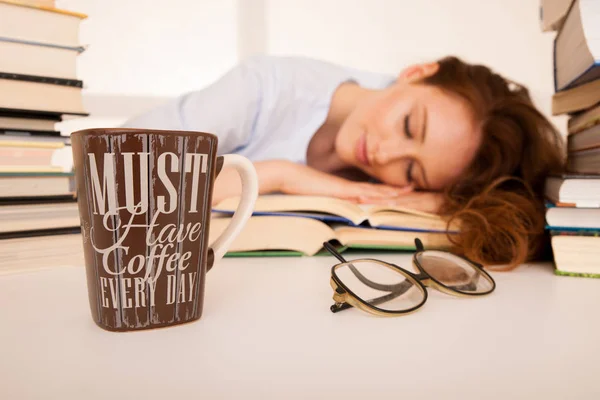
(104, 192)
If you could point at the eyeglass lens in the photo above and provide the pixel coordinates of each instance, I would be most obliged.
(380, 285)
(454, 272)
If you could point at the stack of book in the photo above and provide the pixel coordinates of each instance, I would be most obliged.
(38, 87)
(286, 225)
(573, 214)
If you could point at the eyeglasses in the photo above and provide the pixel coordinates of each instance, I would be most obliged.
(386, 289)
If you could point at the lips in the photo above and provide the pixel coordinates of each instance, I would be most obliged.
(360, 151)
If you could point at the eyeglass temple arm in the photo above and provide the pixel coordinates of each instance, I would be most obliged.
(471, 285)
(329, 247)
(356, 272)
(419, 245)
(396, 290)
(375, 285)
(402, 288)
(337, 307)
(466, 286)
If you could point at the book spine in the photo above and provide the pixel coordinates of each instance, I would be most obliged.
(25, 146)
(14, 174)
(23, 113)
(31, 169)
(42, 79)
(79, 49)
(39, 233)
(14, 113)
(45, 8)
(28, 133)
(36, 201)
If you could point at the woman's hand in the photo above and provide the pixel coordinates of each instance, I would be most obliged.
(303, 180)
(291, 178)
(423, 201)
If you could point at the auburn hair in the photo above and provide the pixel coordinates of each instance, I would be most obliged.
(499, 200)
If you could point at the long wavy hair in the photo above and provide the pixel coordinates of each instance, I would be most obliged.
(500, 199)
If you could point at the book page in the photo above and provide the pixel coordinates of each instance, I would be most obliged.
(276, 233)
(402, 221)
(372, 209)
(44, 7)
(278, 203)
(379, 238)
(30, 254)
(589, 11)
(577, 254)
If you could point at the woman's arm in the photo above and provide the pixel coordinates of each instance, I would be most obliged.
(227, 108)
(287, 177)
(228, 183)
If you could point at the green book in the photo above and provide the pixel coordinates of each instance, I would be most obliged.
(577, 274)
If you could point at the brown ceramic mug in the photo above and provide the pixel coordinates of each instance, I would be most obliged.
(144, 201)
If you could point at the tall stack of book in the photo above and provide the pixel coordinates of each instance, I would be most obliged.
(39, 46)
(573, 214)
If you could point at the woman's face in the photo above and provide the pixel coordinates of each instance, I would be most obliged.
(410, 134)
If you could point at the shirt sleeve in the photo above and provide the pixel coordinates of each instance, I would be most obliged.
(227, 108)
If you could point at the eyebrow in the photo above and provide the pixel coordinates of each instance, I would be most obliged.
(423, 135)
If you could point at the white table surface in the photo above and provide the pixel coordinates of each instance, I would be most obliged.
(267, 332)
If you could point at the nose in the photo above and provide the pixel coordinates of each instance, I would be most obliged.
(392, 149)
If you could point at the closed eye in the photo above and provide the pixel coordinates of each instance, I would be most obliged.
(409, 175)
(407, 131)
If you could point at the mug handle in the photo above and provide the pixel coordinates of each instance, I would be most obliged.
(247, 173)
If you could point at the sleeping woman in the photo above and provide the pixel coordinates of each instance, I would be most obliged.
(447, 137)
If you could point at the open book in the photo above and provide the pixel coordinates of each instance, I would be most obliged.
(288, 235)
(334, 210)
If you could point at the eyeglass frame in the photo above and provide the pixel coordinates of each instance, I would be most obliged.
(345, 298)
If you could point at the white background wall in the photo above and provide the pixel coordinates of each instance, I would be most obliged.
(148, 51)
(167, 48)
(154, 48)
(387, 35)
